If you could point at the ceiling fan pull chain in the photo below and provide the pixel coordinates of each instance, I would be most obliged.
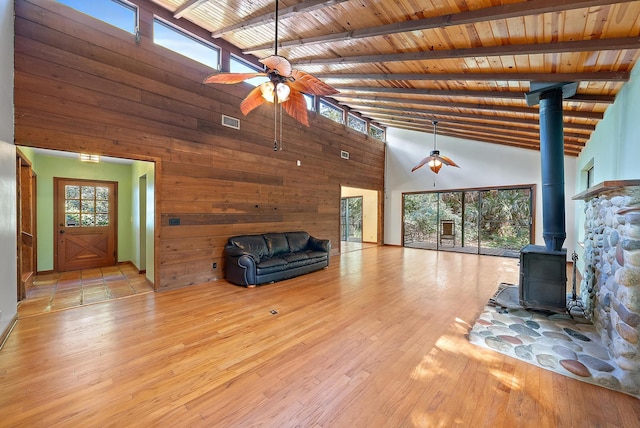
(275, 123)
(281, 141)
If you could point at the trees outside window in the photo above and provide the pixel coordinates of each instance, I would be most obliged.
(488, 221)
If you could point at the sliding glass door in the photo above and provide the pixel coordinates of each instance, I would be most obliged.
(351, 219)
(506, 223)
(482, 221)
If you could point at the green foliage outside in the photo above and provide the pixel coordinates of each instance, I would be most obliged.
(377, 133)
(331, 112)
(500, 217)
(351, 223)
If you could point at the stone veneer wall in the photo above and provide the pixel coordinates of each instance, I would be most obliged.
(610, 288)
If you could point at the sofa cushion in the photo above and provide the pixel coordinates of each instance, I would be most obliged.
(313, 254)
(270, 265)
(297, 241)
(276, 243)
(294, 257)
(251, 244)
(271, 262)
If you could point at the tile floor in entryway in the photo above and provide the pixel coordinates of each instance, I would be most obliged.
(57, 291)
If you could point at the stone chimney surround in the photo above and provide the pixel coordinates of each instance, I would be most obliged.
(610, 287)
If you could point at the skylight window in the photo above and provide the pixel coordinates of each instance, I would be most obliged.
(185, 44)
(118, 13)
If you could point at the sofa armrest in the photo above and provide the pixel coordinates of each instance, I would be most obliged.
(233, 251)
(319, 244)
(240, 267)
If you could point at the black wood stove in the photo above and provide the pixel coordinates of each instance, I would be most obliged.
(543, 270)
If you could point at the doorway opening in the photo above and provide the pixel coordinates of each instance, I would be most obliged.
(359, 219)
(132, 259)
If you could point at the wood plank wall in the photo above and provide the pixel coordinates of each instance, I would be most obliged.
(84, 86)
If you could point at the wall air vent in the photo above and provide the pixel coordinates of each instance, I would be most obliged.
(230, 122)
(344, 154)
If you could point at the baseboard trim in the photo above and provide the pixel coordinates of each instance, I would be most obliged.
(7, 331)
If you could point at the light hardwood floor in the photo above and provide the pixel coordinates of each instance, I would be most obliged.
(375, 340)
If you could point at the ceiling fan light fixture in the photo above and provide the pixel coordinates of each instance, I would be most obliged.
(283, 91)
(435, 160)
(267, 91)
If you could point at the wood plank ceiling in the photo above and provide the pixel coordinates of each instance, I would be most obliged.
(465, 63)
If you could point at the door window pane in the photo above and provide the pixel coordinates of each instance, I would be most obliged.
(72, 192)
(86, 206)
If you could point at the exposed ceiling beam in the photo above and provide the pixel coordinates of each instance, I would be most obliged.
(187, 7)
(532, 7)
(373, 111)
(305, 6)
(573, 151)
(503, 130)
(486, 51)
(588, 98)
(477, 128)
(599, 76)
(473, 106)
(495, 140)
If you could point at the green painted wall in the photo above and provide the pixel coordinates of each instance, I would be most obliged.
(143, 215)
(48, 167)
(614, 147)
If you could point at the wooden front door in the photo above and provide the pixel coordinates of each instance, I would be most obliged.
(86, 226)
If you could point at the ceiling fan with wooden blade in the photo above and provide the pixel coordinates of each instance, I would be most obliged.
(284, 86)
(435, 160)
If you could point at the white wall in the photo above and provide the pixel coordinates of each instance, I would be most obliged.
(8, 226)
(481, 165)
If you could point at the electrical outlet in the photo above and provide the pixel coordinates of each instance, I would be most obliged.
(214, 265)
